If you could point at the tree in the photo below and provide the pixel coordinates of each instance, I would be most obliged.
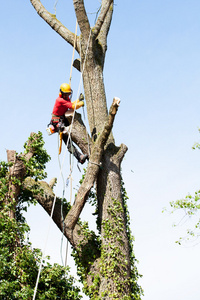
(19, 263)
(190, 205)
(106, 262)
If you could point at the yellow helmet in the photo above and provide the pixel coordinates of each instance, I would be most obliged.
(65, 88)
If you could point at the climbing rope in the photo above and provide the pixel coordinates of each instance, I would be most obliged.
(70, 76)
(81, 82)
(49, 227)
(78, 92)
(70, 178)
(61, 167)
(62, 200)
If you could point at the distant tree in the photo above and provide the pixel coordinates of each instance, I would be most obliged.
(19, 263)
(190, 206)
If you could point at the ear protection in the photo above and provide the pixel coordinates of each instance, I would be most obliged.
(70, 96)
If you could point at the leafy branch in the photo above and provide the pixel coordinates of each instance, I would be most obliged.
(190, 205)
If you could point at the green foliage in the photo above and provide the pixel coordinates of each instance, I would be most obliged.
(112, 262)
(85, 254)
(19, 266)
(196, 145)
(3, 180)
(35, 168)
(136, 289)
(113, 259)
(190, 205)
(19, 263)
(36, 165)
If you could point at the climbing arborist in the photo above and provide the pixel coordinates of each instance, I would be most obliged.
(59, 120)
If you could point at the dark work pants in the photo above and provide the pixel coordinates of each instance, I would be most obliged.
(71, 148)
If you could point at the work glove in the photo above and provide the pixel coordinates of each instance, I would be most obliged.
(77, 104)
(81, 97)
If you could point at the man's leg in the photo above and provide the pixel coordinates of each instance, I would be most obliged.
(73, 150)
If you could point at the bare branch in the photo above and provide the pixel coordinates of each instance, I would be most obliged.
(55, 24)
(82, 18)
(106, 5)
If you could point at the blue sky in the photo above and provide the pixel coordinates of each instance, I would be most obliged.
(153, 65)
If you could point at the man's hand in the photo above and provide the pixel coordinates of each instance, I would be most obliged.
(77, 104)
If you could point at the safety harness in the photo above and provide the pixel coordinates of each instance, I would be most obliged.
(57, 124)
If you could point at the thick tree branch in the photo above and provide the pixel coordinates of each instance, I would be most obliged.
(55, 24)
(106, 5)
(82, 18)
(45, 197)
(92, 170)
(102, 36)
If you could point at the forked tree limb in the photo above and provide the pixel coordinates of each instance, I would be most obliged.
(104, 20)
(106, 5)
(83, 21)
(46, 197)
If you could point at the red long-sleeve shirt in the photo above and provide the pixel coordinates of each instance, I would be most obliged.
(61, 106)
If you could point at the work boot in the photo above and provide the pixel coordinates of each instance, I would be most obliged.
(82, 158)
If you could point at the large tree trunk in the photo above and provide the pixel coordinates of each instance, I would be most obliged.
(110, 205)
